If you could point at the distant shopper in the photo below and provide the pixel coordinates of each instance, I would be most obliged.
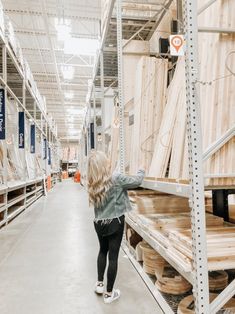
(108, 195)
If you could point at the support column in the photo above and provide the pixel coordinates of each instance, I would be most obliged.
(199, 248)
(94, 112)
(4, 146)
(26, 168)
(102, 98)
(120, 86)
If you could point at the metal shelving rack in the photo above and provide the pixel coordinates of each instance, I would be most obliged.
(17, 86)
(197, 275)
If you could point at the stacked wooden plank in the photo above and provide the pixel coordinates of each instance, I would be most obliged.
(171, 126)
(160, 203)
(220, 246)
(217, 98)
(149, 103)
(166, 155)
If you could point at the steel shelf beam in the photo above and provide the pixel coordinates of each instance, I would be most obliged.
(161, 306)
(168, 187)
(214, 147)
(205, 6)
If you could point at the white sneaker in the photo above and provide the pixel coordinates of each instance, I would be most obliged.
(99, 287)
(114, 296)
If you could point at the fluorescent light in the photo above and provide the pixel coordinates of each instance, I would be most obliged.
(63, 29)
(69, 95)
(68, 72)
(76, 111)
(81, 46)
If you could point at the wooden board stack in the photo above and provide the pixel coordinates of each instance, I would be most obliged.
(170, 122)
(217, 98)
(149, 103)
(171, 282)
(186, 306)
(160, 204)
(220, 246)
(166, 155)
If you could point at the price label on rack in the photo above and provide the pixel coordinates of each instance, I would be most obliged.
(177, 45)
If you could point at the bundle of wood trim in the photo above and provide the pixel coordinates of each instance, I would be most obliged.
(220, 246)
(149, 103)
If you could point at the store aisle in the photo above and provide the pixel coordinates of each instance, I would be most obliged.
(48, 262)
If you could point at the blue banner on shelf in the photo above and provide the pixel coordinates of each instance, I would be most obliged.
(21, 129)
(44, 149)
(32, 139)
(2, 115)
(49, 156)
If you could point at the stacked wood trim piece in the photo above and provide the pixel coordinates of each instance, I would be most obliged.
(220, 246)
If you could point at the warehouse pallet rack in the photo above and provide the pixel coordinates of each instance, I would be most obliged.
(194, 189)
(16, 196)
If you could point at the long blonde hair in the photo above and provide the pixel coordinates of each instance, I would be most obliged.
(99, 177)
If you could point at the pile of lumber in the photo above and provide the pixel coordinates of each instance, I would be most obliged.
(220, 246)
(160, 203)
(172, 130)
(159, 110)
(149, 102)
(186, 306)
(217, 98)
(171, 282)
(172, 221)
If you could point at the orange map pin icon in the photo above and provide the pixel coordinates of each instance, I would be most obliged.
(177, 42)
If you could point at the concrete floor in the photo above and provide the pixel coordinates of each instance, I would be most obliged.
(48, 261)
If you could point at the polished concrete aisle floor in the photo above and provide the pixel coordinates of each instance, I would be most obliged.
(48, 261)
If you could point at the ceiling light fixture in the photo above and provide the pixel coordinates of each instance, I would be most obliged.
(69, 95)
(81, 46)
(76, 111)
(68, 72)
(63, 29)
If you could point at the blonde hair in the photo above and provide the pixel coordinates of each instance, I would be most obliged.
(99, 177)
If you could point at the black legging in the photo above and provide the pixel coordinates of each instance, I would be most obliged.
(109, 244)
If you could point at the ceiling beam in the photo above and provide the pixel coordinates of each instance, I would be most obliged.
(75, 16)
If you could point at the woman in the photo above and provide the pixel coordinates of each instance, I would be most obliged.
(108, 195)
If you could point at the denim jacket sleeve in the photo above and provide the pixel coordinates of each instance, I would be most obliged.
(130, 182)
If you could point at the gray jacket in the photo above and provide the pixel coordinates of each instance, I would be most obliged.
(117, 201)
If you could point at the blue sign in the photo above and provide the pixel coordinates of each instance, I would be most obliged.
(49, 156)
(2, 115)
(32, 138)
(45, 148)
(21, 129)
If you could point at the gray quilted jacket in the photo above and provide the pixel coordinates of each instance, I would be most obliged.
(117, 201)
